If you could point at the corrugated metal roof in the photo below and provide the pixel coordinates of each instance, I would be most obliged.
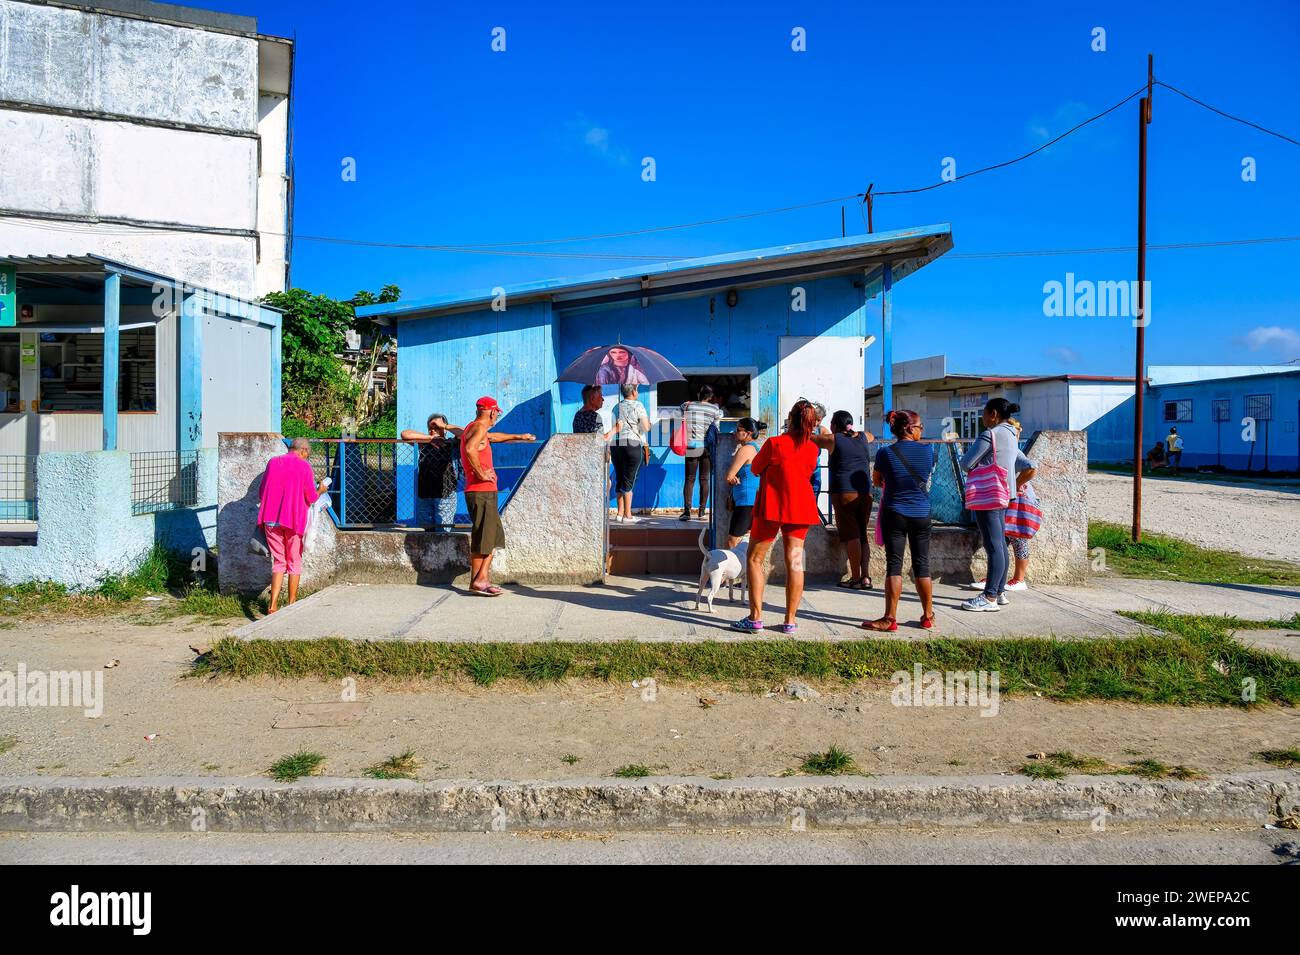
(906, 249)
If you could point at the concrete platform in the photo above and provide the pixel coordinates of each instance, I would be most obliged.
(662, 609)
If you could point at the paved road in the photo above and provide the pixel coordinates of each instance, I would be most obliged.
(1072, 846)
(662, 609)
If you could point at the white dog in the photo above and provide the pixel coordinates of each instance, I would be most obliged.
(721, 565)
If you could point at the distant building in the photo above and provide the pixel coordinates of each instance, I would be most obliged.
(1240, 417)
(951, 402)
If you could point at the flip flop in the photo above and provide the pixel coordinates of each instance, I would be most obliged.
(489, 591)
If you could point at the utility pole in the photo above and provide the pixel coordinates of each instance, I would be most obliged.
(1144, 120)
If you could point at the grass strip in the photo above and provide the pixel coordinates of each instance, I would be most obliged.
(1194, 663)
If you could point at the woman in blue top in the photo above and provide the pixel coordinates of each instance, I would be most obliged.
(903, 470)
(743, 481)
(998, 433)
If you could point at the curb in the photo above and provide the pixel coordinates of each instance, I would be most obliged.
(184, 804)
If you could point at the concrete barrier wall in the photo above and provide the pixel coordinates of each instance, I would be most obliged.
(1059, 552)
(554, 524)
(85, 528)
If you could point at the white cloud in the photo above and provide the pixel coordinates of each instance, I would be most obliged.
(598, 140)
(1284, 341)
(1063, 354)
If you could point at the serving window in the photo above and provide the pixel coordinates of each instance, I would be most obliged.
(72, 370)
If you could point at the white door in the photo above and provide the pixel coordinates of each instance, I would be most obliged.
(826, 370)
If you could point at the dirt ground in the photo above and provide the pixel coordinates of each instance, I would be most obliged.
(223, 727)
(1253, 519)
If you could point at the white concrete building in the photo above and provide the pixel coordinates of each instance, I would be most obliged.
(950, 401)
(149, 134)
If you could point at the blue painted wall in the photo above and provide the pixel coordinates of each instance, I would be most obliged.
(1206, 441)
(1110, 437)
(444, 363)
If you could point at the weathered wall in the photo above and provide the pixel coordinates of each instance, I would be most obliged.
(75, 59)
(85, 528)
(93, 102)
(554, 524)
(1060, 551)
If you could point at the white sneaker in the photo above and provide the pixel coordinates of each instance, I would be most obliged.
(617, 519)
(631, 520)
(1002, 600)
(980, 604)
(1018, 585)
(976, 584)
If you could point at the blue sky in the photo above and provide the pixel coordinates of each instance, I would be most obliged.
(456, 144)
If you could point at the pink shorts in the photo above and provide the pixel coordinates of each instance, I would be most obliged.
(286, 550)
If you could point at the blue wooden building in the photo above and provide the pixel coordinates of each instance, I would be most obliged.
(764, 327)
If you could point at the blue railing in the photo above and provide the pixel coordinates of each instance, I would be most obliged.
(375, 481)
(17, 488)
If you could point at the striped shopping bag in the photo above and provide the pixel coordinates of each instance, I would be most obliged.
(986, 485)
(1024, 517)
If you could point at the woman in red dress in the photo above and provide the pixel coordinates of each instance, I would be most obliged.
(785, 503)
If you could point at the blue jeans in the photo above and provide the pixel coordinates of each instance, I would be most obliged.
(435, 513)
(993, 531)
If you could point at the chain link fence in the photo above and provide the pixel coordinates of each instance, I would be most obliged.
(17, 488)
(378, 483)
(163, 480)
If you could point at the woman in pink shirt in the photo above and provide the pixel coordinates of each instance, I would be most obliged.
(288, 489)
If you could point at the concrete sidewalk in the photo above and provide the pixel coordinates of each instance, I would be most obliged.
(662, 609)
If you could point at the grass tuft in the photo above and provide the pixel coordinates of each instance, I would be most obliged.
(1042, 770)
(1086, 764)
(1278, 757)
(833, 762)
(632, 771)
(403, 766)
(288, 769)
(1160, 557)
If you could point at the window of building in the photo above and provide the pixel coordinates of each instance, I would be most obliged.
(1222, 409)
(1180, 410)
(1259, 407)
(72, 371)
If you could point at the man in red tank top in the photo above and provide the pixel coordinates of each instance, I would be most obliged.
(486, 532)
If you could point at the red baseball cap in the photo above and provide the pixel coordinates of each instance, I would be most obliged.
(487, 403)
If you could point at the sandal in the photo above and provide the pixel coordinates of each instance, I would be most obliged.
(927, 621)
(890, 624)
(851, 583)
(747, 625)
(491, 590)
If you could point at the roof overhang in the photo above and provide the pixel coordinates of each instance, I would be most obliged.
(904, 251)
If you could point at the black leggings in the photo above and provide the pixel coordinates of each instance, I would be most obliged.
(898, 530)
(627, 462)
(704, 465)
(852, 515)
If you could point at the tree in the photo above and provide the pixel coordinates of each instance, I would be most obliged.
(319, 389)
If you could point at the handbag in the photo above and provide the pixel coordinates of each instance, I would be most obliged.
(1024, 517)
(677, 444)
(986, 485)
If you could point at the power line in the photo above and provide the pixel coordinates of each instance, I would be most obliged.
(1225, 115)
(1115, 249)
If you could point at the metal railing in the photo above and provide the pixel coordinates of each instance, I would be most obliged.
(17, 488)
(163, 480)
(376, 481)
